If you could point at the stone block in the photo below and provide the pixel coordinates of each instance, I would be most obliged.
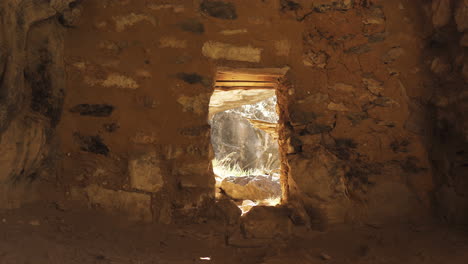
(251, 187)
(342, 87)
(170, 42)
(196, 104)
(218, 50)
(124, 22)
(337, 107)
(113, 80)
(267, 222)
(145, 172)
(282, 47)
(192, 25)
(230, 32)
(374, 86)
(219, 9)
(119, 81)
(461, 16)
(320, 177)
(315, 59)
(441, 13)
(176, 8)
(136, 205)
(195, 174)
(97, 110)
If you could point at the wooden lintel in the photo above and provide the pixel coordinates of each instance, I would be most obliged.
(276, 72)
(236, 83)
(243, 88)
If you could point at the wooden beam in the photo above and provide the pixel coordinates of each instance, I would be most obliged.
(246, 77)
(243, 88)
(238, 83)
(250, 74)
(277, 72)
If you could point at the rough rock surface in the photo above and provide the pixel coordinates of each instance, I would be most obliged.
(32, 84)
(267, 222)
(251, 187)
(449, 142)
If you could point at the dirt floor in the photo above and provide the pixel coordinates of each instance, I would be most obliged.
(53, 234)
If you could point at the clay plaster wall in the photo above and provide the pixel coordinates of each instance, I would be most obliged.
(134, 134)
(32, 84)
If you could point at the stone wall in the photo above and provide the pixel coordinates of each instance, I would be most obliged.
(449, 63)
(353, 109)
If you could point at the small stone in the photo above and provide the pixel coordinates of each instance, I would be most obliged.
(195, 104)
(123, 22)
(35, 223)
(193, 78)
(218, 50)
(145, 172)
(464, 40)
(4, 220)
(97, 110)
(80, 65)
(440, 66)
(143, 73)
(219, 9)
(337, 107)
(100, 25)
(230, 32)
(170, 42)
(374, 86)
(283, 47)
(383, 101)
(359, 49)
(165, 7)
(377, 37)
(117, 80)
(461, 16)
(392, 55)
(316, 59)
(192, 25)
(393, 72)
(325, 256)
(441, 13)
(111, 127)
(373, 21)
(343, 87)
(93, 144)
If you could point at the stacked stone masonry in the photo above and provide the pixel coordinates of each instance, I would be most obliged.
(357, 132)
